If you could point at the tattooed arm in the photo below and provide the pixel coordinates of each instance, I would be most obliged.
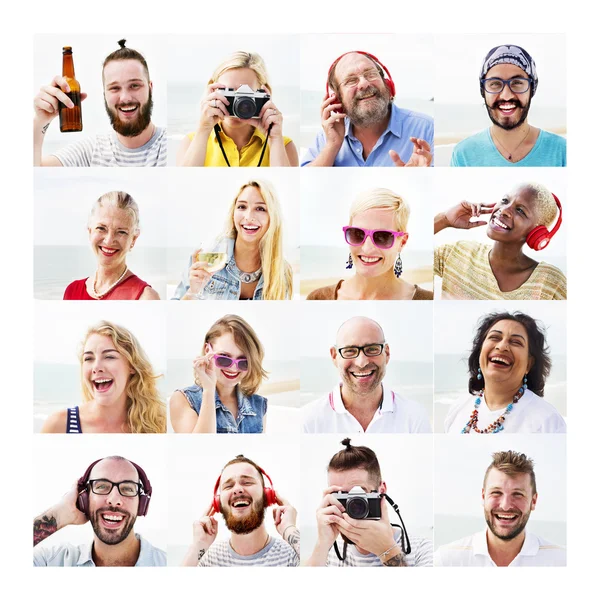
(44, 526)
(395, 558)
(284, 516)
(292, 536)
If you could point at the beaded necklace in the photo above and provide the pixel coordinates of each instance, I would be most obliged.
(98, 296)
(498, 424)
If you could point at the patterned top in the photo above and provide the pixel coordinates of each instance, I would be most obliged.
(73, 420)
(277, 553)
(467, 275)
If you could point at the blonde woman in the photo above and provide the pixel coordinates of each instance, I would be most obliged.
(222, 139)
(113, 229)
(119, 387)
(227, 375)
(376, 234)
(255, 268)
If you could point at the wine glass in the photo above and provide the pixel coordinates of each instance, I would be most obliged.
(214, 252)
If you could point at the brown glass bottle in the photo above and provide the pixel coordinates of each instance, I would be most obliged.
(70, 118)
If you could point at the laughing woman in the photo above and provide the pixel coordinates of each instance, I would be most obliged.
(227, 374)
(119, 388)
(474, 271)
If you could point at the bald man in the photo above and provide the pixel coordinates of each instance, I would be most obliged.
(360, 403)
(114, 490)
(362, 127)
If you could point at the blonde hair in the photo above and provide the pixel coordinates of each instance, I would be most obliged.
(244, 60)
(246, 339)
(146, 412)
(382, 198)
(277, 273)
(120, 200)
(547, 208)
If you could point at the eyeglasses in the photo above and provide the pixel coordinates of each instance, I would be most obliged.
(382, 238)
(352, 81)
(353, 351)
(103, 487)
(517, 85)
(226, 361)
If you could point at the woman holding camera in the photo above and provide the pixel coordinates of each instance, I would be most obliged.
(222, 139)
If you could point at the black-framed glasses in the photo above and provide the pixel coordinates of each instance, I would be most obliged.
(353, 351)
(103, 487)
(517, 85)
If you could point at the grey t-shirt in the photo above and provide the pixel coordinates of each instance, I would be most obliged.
(105, 150)
(277, 553)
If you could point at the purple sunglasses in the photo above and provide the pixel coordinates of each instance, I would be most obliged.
(224, 362)
(382, 238)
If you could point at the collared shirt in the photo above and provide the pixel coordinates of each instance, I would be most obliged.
(251, 410)
(403, 125)
(248, 156)
(395, 415)
(67, 555)
(473, 551)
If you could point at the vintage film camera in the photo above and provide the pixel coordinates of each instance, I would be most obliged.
(245, 103)
(360, 504)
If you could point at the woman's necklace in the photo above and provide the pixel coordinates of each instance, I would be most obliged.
(510, 154)
(498, 424)
(98, 296)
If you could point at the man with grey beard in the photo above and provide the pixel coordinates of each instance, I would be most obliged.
(360, 403)
(362, 127)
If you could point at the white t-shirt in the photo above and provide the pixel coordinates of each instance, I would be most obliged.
(277, 553)
(472, 551)
(531, 414)
(396, 415)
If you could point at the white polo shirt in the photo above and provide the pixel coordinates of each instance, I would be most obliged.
(396, 415)
(472, 551)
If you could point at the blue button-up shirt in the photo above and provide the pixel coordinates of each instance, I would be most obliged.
(403, 125)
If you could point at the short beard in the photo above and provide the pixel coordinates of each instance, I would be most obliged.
(110, 537)
(489, 519)
(508, 126)
(246, 524)
(367, 117)
(352, 382)
(133, 128)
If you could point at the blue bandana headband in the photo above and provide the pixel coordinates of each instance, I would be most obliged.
(511, 54)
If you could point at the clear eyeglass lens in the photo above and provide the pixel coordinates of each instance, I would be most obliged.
(104, 487)
(519, 85)
(350, 352)
(370, 75)
(374, 350)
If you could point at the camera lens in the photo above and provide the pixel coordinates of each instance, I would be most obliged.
(357, 508)
(244, 107)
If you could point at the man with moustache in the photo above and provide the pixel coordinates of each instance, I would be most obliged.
(360, 403)
(507, 83)
(136, 141)
(509, 495)
(243, 503)
(362, 127)
(366, 542)
(114, 490)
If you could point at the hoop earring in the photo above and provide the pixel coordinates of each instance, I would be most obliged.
(349, 263)
(398, 266)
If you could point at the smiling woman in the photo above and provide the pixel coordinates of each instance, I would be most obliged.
(508, 367)
(118, 385)
(474, 271)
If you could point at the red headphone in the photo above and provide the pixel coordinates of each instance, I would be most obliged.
(539, 237)
(389, 82)
(270, 495)
(83, 500)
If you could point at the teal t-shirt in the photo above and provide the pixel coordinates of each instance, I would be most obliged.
(550, 150)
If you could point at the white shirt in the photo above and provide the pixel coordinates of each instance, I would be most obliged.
(531, 414)
(396, 415)
(472, 551)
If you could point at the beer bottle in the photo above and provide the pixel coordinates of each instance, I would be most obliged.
(70, 118)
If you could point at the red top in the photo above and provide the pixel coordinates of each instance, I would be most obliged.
(130, 288)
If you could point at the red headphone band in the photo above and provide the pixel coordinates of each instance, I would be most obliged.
(270, 494)
(389, 81)
(83, 497)
(539, 237)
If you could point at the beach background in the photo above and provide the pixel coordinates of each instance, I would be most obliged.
(63, 200)
(327, 195)
(89, 52)
(459, 107)
(460, 465)
(454, 329)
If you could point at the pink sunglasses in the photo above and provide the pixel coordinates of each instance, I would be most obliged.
(222, 361)
(382, 238)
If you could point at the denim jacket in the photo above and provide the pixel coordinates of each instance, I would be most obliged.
(251, 411)
(224, 284)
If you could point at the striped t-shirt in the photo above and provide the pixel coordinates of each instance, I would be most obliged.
(467, 275)
(105, 150)
(277, 553)
(421, 554)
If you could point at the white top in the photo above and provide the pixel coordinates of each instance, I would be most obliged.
(396, 415)
(531, 414)
(472, 551)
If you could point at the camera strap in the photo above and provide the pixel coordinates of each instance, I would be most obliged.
(404, 541)
(218, 130)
